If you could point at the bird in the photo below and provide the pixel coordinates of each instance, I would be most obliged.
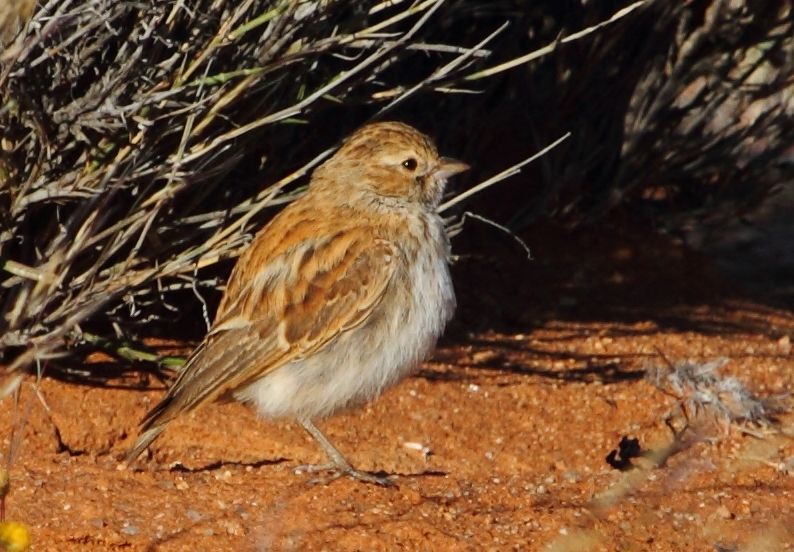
(340, 296)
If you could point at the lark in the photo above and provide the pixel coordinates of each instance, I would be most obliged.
(340, 296)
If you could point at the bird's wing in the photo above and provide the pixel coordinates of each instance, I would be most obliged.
(289, 308)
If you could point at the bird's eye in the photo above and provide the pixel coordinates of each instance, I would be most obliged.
(410, 164)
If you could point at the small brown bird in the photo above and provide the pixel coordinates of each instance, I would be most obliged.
(340, 296)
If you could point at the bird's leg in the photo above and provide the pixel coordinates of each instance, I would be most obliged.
(339, 463)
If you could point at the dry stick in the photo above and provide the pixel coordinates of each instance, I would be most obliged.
(20, 270)
(384, 5)
(448, 90)
(549, 48)
(444, 70)
(442, 48)
(178, 5)
(297, 108)
(456, 229)
(172, 181)
(264, 196)
(258, 21)
(223, 31)
(131, 224)
(14, 313)
(252, 75)
(244, 85)
(126, 222)
(343, 40)
(507, 173)
(82, 233)
(43, 193)
(211, 251)
(20, 49)
(510, 171)
(10, 383)
(225, 100)
(270, 192)
(159, 205)
(17, 435)
(79, 32)
(204, 308)
(44, 345)
(89, 212)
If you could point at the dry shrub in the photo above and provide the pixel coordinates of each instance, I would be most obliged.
(137, 137)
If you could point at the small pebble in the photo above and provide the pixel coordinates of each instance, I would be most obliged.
(225, 476)
(571, 476)
(723, 512)
(784, 344)
(166, 485)
(232, 528)
(240, 511)
(424, 449)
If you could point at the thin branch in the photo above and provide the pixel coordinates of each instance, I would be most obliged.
(507, 173)
(549, 48)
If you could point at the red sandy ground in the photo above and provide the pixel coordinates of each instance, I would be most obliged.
(537, 381)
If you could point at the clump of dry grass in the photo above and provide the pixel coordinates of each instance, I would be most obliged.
(702, 393)
(127, 127)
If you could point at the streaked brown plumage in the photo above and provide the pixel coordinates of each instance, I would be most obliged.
(342, 294)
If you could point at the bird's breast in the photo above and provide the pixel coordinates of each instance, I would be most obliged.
(395, 338)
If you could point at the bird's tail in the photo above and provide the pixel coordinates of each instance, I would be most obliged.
(142, 443)
(205, 377)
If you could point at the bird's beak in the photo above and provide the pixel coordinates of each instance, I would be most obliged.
(447, 167)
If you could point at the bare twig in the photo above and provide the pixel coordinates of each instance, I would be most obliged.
(502, 175)
(549, 48)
